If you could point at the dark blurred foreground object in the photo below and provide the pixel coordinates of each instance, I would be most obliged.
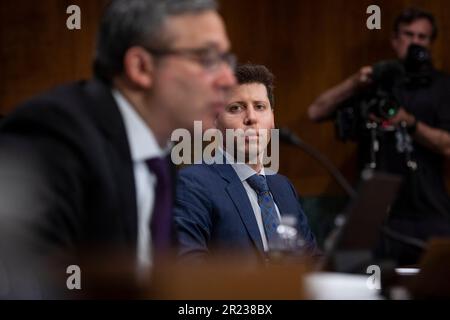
(112, 276)
(427, 280)
(222, 277)
(433, 281)
(227, 277)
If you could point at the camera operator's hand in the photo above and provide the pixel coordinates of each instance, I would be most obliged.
(363, 77)
(403, 116)
(435, 139)
(326, 104)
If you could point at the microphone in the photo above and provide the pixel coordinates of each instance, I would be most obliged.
(286, 135)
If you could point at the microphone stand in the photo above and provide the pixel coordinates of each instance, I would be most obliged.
(288, 136)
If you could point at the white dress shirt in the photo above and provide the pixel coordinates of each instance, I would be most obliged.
(143, 146)
(244, 172)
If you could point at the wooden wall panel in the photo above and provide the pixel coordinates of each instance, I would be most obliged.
(37, 51)
(309, 45)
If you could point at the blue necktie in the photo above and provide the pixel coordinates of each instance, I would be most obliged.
(265, 201)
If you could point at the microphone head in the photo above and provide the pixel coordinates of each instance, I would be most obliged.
(286, 135)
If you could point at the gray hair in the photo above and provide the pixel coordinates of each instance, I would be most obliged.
(127, 23)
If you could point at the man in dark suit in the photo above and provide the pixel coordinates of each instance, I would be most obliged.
(84, 168)
(237, 206)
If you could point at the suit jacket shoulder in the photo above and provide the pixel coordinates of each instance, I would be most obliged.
(69, 148)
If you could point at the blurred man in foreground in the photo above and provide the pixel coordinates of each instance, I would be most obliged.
(84, 168)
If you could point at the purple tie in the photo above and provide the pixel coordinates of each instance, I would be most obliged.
(160, 224)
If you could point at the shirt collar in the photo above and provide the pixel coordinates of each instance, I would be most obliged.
(143, 143)
(242, 170)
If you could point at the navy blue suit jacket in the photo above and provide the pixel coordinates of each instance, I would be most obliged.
(213, 211)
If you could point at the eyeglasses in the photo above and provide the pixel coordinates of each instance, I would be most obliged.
(208, 58)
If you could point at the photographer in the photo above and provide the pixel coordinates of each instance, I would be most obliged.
(401, 121)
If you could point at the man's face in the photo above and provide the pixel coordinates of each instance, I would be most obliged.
(248, 108)
(184, 89)
(418, 32)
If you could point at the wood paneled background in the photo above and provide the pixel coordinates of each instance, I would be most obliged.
(309, 45)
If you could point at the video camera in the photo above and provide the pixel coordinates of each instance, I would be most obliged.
(379, 99)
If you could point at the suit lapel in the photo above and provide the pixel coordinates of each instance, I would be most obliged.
(105, 112)
(239, 197)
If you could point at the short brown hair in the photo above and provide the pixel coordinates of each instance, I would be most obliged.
(253, 73)
(410, 15)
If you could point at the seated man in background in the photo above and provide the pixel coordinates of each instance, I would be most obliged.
(236, 207)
